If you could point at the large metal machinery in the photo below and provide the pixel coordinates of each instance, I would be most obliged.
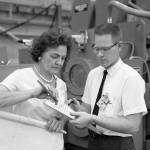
(26, 20)
(85, 16)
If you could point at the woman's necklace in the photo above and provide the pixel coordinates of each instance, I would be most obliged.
(43, 78)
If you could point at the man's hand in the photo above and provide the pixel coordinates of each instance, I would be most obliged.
(74, 104)
(82, 119)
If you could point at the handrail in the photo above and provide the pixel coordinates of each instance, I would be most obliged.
(129, 10)
(24, 120)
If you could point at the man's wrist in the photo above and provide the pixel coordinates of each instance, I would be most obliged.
(94, 118)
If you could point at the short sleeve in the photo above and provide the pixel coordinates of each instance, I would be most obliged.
(133, 96)
(10, 81)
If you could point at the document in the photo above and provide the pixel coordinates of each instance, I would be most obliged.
(61, 107)
(66, 110)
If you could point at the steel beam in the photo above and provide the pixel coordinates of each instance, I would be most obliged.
(66, 4)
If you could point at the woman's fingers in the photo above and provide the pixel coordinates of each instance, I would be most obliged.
(54, 125)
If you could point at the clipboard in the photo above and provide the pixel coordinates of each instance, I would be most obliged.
(62, 108)
(66, 110)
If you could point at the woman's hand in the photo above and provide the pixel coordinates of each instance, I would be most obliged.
(44, 92)
(48, 92)
(55, 125)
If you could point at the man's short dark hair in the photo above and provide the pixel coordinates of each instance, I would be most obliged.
(109, 28)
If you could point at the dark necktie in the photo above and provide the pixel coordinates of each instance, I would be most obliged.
(96, 108)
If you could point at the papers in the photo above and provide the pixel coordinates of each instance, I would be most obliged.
(62, 108)
(66, 110)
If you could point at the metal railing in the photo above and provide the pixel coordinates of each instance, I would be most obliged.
(127, 9)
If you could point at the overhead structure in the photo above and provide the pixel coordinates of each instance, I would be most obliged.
(66, 4)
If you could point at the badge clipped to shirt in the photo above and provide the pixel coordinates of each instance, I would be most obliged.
(103, 102)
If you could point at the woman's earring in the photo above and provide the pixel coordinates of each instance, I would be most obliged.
(39, 58)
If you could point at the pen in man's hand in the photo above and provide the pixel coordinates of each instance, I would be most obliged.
(63, 131)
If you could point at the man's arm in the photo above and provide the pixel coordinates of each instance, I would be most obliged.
(78, 106)
(127, 124)
(124, 124)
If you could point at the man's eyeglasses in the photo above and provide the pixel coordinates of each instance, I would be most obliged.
(96, 48)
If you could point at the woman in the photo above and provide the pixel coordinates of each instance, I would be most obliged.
(22, 91)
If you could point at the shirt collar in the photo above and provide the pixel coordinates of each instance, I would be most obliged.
(115, 67)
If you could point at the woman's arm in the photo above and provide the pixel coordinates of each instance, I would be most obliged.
(8, 98)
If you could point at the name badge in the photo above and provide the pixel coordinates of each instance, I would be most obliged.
(103, 102)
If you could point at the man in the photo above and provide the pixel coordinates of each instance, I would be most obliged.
(116, 109)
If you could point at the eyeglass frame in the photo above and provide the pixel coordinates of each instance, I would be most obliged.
(105, 49)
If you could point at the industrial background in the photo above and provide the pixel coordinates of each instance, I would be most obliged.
(22, 20)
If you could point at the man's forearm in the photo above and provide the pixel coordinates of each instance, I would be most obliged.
(118, 124)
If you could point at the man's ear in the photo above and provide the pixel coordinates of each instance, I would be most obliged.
(125, 51)
(119, 47)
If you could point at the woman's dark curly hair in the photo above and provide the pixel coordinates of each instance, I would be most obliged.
(50, 39)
